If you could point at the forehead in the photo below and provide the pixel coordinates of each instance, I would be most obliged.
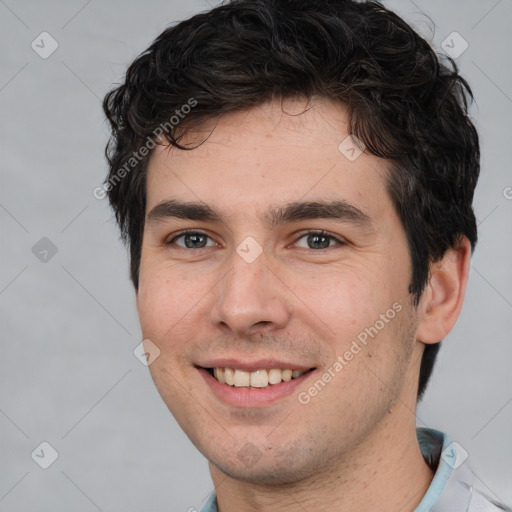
(270, 155)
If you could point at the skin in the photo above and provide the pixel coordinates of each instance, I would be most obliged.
(353, 446)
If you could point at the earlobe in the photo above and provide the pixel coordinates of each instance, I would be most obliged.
(443, 296)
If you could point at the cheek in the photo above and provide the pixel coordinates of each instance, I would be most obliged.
(344, 300)
(164, 309)
(163, 302)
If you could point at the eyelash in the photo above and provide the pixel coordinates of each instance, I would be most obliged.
(340, 242)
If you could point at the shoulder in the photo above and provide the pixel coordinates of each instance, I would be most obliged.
(480, 502)
(454, 486)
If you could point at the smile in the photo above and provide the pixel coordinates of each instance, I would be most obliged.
(256, 379)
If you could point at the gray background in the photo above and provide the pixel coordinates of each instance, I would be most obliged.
(69, 325)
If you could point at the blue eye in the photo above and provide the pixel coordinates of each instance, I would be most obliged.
(319, 240)
(192, 240)
(316, 240)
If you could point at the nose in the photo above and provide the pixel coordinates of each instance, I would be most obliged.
(250, 298)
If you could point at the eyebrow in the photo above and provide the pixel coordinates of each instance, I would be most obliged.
(341, 210)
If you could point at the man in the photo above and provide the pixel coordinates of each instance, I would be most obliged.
(295, 182)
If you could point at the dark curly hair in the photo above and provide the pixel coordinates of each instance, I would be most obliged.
(405, 103)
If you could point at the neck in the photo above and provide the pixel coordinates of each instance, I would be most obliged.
(387, 473)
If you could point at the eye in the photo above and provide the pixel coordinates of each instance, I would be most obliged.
(319, 240)
(192, 240)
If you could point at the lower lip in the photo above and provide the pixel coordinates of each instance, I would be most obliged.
(252, 397)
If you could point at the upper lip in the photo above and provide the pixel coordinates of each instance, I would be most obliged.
(251, 366)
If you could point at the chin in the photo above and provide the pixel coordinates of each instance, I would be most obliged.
(288, 464)
(262, 474)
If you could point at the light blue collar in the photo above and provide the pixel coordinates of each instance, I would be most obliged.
(452, 486)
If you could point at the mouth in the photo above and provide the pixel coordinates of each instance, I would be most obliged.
(257, 379)
(254, 384)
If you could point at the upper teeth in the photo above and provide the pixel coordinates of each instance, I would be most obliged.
(256, 379)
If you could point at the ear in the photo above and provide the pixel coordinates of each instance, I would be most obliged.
(443, 296)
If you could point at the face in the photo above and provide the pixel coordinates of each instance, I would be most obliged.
(270, 253)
